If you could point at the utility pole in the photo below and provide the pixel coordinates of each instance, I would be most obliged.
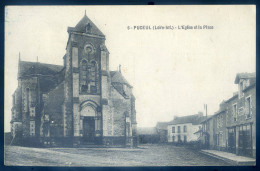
(206, 108)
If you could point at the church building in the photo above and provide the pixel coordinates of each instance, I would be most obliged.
(79, 103)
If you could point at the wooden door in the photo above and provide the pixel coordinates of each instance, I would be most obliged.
(89, 129)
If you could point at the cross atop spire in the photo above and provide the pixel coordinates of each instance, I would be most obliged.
(85, 13)
(19, 56)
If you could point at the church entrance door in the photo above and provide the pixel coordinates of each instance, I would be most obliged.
(89, 129)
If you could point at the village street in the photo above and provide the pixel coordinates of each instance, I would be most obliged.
(145, 155)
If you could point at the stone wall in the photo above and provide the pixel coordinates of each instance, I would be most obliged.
(28, 90)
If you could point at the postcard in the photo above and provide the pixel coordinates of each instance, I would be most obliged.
(130, 85)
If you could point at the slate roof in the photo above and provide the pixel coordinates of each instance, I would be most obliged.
(194, 119)
(49, 76)
(117, 77)
(198, 120)
(81, 27)
(146, 131)
(219, 111)
(37, 68)
(231, 98)
(206, 118)
(244, 75)
(162, 125)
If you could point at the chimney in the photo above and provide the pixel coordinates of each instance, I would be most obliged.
(120, 68)
(175, 117)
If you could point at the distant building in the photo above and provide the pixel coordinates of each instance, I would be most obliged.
(148, 135)
(162, 130)
(233, 127)
(81, 102)
(183, 129)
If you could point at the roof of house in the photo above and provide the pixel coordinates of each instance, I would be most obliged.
(162, 125)
(83, 23)
(206, 118)
(243, 76)
(194, 119)
(146, 131)
(219, 111)
(231, 98)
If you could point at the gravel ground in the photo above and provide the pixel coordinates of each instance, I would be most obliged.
(145, 155)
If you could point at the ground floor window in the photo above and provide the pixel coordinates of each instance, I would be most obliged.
(173, 138)
(245, 140)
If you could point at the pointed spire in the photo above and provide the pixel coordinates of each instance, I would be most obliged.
(37, 58)
(120, 68)
(81, 26)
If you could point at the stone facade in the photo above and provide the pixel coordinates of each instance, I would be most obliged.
(234, 128)
(80, 103)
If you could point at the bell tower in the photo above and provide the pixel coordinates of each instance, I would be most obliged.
(85, 60)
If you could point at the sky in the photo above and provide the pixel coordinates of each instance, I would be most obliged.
(173, 72)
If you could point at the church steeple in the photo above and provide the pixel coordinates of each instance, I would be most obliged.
(85, 25)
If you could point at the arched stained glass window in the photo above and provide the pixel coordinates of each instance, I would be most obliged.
(83, 75)
(93, 77)
(88, 77)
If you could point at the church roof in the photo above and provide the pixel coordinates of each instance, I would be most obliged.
(37, 68)
(83, 23)
(50, 75)
(117, 77)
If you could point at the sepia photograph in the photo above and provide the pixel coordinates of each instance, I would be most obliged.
(102, 86)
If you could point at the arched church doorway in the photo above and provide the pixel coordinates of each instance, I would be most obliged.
(88, 113)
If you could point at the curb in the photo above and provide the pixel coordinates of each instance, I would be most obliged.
(249, 163)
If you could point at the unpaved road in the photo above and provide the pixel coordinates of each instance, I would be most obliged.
(148, 155)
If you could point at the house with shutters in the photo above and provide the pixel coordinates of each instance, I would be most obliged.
(78, 103)
(183, 129)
